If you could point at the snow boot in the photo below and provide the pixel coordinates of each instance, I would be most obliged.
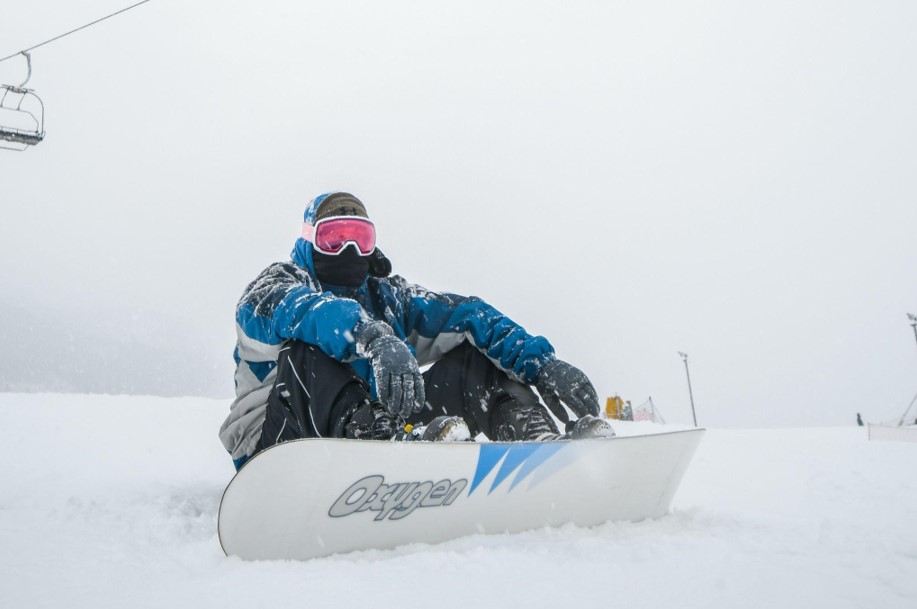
(513, 421)
(589, 426)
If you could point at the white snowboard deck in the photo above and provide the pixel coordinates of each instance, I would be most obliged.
(317, 497)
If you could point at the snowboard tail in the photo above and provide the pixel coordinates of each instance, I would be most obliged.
(316, 497)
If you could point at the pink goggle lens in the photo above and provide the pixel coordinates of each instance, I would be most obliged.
(333, 234)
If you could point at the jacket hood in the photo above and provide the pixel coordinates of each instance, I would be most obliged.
(302, 250)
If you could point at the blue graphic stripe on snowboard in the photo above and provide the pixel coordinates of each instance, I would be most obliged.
(542, 453)
(524, 457)
(488, 457)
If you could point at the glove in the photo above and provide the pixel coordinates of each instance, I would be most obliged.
(560, 382)
(398, 380)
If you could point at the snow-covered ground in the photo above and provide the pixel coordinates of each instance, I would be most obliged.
(111, 501)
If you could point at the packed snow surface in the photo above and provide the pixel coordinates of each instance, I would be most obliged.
(111, 501)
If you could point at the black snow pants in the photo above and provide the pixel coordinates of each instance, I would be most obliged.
(314, 396)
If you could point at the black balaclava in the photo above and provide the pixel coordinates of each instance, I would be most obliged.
(348, 269)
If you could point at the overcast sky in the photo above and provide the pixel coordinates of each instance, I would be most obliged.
(735, 179)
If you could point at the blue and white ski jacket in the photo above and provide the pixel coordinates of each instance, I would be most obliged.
(287, 302)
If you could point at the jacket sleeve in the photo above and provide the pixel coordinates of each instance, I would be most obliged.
(282, 303)
(437, 322)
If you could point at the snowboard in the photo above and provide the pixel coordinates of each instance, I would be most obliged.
(310, 498)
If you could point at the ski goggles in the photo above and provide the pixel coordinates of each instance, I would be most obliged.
(331, 235)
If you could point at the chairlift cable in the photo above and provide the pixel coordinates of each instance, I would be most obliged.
(74, 31)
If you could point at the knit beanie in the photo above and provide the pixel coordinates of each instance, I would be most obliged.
(340, 204)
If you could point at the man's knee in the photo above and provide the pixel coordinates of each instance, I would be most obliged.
(312, 396)
(303, 354)
(467, 383)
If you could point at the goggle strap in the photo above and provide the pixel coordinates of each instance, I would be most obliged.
(308, 232)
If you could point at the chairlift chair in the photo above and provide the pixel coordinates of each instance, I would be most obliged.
(22, 115)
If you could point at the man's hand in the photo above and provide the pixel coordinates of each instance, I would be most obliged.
(398, 380)
(560, 382)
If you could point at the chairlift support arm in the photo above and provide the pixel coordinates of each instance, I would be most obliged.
(28, 77)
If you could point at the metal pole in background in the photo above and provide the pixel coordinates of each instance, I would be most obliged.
(913, 319)
(684, 357)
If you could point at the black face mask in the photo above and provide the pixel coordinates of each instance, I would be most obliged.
(348, 269)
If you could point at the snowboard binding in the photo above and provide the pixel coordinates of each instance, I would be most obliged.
(372, 421)
(440, 429)
(589, 426)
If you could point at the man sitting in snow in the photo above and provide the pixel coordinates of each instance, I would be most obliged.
(329, 345)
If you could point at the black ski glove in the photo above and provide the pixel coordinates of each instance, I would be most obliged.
(398, 380)
(560, 382)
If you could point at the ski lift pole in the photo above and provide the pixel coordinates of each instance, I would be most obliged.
(684, 357)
